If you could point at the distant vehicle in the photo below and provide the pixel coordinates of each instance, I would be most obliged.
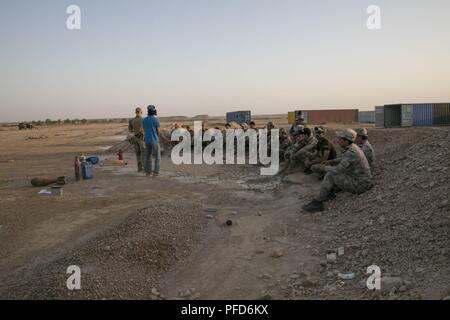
(25, 126)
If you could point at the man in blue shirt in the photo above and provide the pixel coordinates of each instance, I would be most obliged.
(151, 137)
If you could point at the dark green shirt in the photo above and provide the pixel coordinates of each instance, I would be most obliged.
(324, 144)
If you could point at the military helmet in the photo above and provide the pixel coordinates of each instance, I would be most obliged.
(347, 134)
(361, 132)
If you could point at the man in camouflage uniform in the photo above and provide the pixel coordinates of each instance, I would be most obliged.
(325, 150)
(137, 138)
(295, 155)
(351, 174)
(363, 142)
(297, 143)
(310, 145)
(285, 142)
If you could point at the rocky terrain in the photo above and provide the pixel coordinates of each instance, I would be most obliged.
(402, 225)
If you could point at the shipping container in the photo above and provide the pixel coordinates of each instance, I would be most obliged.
(393, 115)
(239, 117)
(441, 114)
(291, 117)
(407, 115)
(379, 116)
(366, 116)
(422, 115)
(344, 116)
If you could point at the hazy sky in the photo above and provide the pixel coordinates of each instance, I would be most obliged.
(208, 56)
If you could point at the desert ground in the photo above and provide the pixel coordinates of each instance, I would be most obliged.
(166, 237)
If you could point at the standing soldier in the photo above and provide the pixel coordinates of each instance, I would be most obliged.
(363, 142)
(352, 173)
(137, 139)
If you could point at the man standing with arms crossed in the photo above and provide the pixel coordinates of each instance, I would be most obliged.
(137, 138)
(152, 133)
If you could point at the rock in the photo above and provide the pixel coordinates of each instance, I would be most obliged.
(211, 210)
(340, 251)
(155, 291)
(329, 288)
(331, 257)
(108, 248)
(346, 276)
(208, 216)
(443, 204)
(388, 283)
(402, 288)
(310, 282)
(277, 253)
(185, 293)
(420, 270)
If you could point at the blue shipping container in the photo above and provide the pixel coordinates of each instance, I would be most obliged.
(422, 115)
(239, 117)
(366, 116)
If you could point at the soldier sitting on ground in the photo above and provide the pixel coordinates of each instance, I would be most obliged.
(285, 142)
(325, 150)
(351, 174)
(299, 154)
(297, 142)
(362, 141)
(304, 153)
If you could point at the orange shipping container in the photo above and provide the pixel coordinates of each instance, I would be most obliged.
(344, 116)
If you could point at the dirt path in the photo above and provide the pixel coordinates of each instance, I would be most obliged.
(269, 241)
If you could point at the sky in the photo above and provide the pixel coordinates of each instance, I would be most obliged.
(191, 57)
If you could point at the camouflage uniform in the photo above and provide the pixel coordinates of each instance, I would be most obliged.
(352, 174)
(136, 128)
(366, 147)
(301, 155)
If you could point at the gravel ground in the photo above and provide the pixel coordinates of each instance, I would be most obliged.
(124, 262)
(402, 225)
